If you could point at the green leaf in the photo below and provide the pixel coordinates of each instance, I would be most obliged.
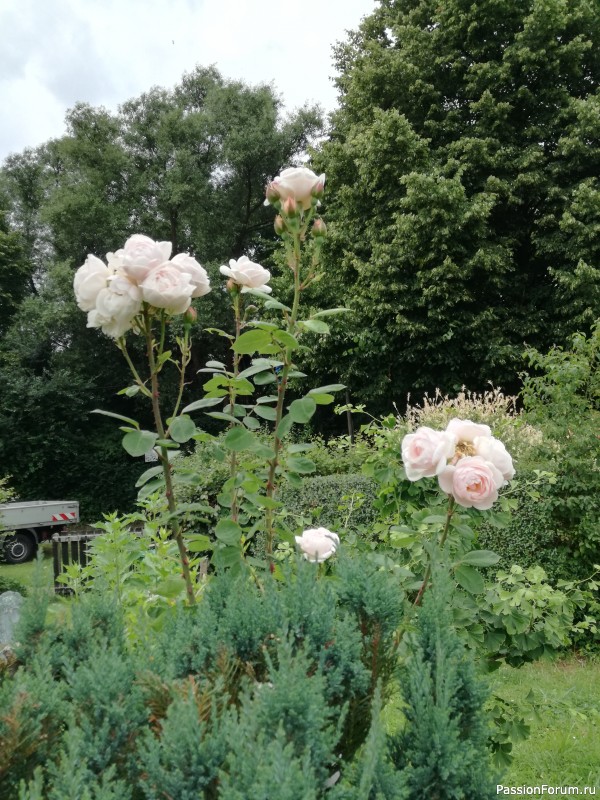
(276, 304)
(251, 423)
(252, 341)
(315, 325)
(130, 391)
(285, 339)
(238, 439)
(329, 312)
(182, 428)
(138, 443)
(301, 410)
(222, 415)
(264, 377)
(272, 398)
(227, 558)
(333, 387)
(149, 473)
(434, 519)
(480, 558)
(284, 426)
(198, 543)
(228, 532)
(215, 364)
(266, 412)
(257, 293)
(206, 402)
(322, 399)
(301, 464)
(116, 416)
(171, 587)
(253, 370)
(469, 579)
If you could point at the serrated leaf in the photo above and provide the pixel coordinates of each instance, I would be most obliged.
(227, 558)
(252, 341)
(251, 423)
(135, 424)
(469, 579)
(238, 439)
(272, 398)
(170, 587)
(182, 428)
(480, 558)
(434, 519)
(205, 402)
(138, 443)
(228, 532)
(301, 410)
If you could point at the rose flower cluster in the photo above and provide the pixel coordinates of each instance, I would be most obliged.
(144, 272)
(469, 463)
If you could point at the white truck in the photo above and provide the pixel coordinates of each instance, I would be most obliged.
(23, 526)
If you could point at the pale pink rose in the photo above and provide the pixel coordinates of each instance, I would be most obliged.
(247, 274)
(465, 431)
(299, 183)
(89, 281)
(492, 449)
(141, 255)
(426, 452)
(116, 306)
(198, 275)
(111, 326)
(473, 482)
(168, 287)
(318, 544)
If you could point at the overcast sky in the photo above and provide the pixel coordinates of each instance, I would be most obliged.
(57, 52)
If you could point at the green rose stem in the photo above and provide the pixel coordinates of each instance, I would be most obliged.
(235, 291)
(294, 264)
(441, 543)
(160, 429)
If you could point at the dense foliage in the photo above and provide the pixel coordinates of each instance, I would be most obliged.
(463, 186)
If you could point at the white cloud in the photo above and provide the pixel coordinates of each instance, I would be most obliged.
(104, 52)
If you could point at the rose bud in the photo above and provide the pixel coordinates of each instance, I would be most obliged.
(190, 316)
(318, 190)
(319, 229)
(272, 194)
(290, 207)
(279, 225)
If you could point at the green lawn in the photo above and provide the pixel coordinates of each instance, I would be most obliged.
(24, 572)
(564, 746)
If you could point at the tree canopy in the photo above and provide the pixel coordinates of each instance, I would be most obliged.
(463, 194)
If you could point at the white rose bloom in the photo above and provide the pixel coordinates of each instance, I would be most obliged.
(111, 326)
(247, 274)
(116, 306)
(89, 281)
(141, 255)
(168, 287)
(298, 182)
(318, 544)
(494, 451)
(198, 275)
(465, 431)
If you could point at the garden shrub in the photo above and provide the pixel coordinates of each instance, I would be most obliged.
(334, 501)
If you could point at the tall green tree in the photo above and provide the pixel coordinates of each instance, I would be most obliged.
(463, 191)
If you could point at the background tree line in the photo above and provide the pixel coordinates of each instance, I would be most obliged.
(463, 207)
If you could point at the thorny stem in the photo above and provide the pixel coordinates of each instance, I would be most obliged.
(185, 360)
(160, 429)
(294, 264)
(123, 348)
(440, 545)
(232, 398)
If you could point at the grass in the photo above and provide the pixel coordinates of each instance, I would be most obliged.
(24, 573)
(563, 748)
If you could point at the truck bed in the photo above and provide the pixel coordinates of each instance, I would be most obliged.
(38, 514)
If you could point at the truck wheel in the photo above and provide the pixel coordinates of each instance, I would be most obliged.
(19, 548)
